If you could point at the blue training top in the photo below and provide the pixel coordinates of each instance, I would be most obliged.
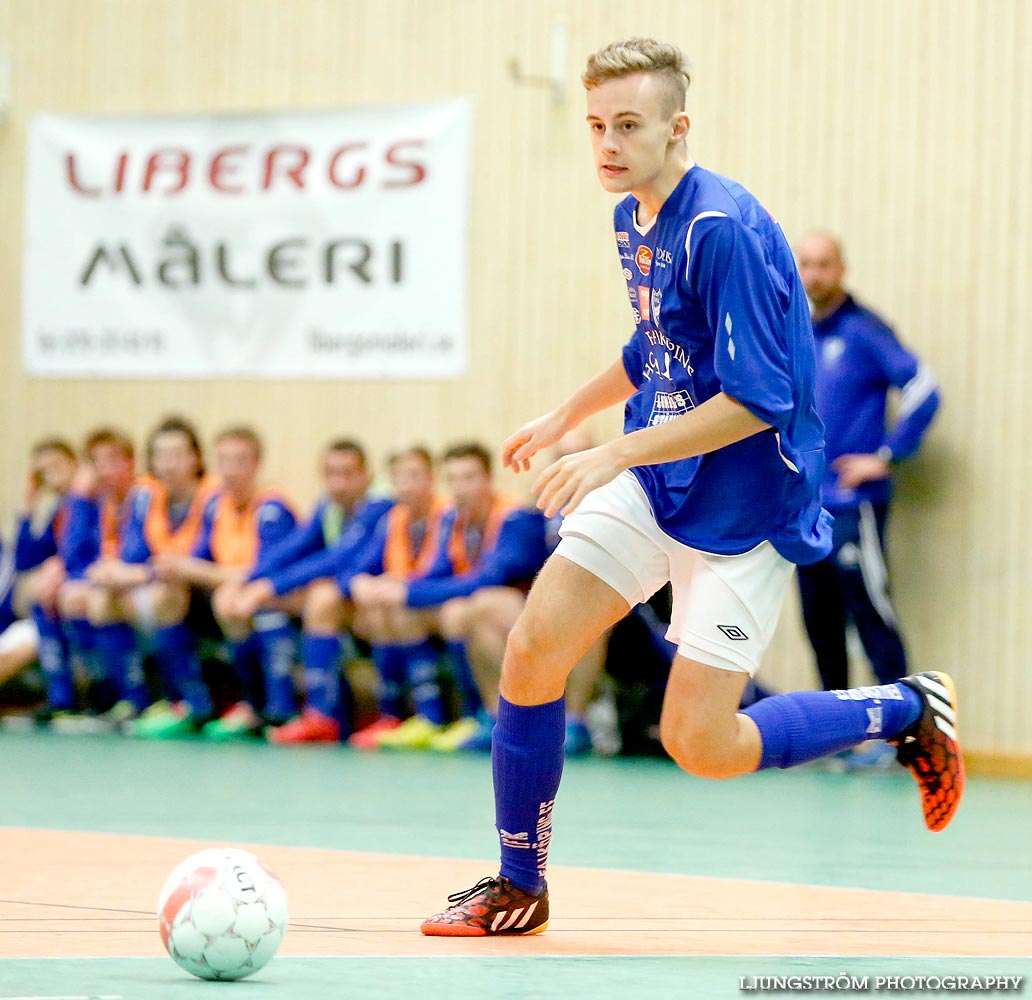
(858, 360)
(719, 307)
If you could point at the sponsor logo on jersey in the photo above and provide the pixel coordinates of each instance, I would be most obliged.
(668, 405)
(831, 350)
(657, 301)
(637, 316)
(623, 240)
(627, 274)
(643, 301)
(643, 258)
(663, 257)
(631, 295)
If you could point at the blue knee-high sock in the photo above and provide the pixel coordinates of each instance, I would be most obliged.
(123, 664)
(799, 727)
(392, 667)
(469, 697)
(276, 650)
(322, 655)
(55, 661)
(421, 660)
(527, 761)
(176, 652)
(83, 639)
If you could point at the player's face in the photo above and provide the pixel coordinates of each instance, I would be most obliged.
(114, 469)
(413, 481)
(237, 463)
(55, 470)
(173, 459)
(468, 483)
(345, 478)
(821, 268)
(630, 136)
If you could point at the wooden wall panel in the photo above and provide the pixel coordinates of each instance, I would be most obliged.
(905, 127)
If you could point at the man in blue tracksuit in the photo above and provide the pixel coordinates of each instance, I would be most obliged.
(859, 360)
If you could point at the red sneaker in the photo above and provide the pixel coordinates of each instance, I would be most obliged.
(930, 750)
(492, 906)
(369, 738)
(309, 727)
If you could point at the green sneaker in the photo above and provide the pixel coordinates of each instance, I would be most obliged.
(241, 722)
(451, 738)
(175, 722)
(117, 719)
(413, 734)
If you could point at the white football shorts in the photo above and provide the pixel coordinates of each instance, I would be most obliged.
(725, 608)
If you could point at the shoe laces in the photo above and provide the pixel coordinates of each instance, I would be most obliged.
(490, 882)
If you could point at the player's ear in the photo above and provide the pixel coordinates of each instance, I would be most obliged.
(682, 123)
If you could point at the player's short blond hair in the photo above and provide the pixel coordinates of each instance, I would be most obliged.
(642, 55)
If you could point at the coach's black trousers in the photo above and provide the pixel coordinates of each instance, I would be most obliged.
(852, 584)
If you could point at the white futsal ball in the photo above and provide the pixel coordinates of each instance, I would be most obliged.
(222, 914)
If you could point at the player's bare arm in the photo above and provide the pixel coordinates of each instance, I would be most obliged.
(606, 389)
(715, 424)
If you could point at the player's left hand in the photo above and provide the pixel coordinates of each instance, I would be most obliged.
(564, 484)
(854, 470)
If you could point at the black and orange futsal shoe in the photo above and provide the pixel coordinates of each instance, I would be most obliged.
(492, 906)
(930, 750)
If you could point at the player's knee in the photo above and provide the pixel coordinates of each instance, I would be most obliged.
(72, 601)
(696, 749)
(222, 604)
(324, 604)
(171, 604)
(455, 618)
(99, 606)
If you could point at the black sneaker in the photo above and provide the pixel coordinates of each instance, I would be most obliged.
(929, 748)
(492, 906)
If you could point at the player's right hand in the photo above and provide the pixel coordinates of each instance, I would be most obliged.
(522, 446)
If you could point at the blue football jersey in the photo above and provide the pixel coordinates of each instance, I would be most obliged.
(719, 307)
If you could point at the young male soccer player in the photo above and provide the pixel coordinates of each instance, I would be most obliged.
(296, 576)
(165, 511)
(714, 486)
(240, 522)
(487, 540)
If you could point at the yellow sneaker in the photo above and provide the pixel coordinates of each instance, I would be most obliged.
(413, 734)
(451, 738)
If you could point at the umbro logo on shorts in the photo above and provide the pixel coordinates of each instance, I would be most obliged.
(733, 632)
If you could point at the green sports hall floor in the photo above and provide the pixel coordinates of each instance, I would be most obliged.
(806, 826)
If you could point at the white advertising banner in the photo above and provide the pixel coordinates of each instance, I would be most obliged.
(293, 245)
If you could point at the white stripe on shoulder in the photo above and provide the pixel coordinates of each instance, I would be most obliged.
(688, 237)
(916, 391)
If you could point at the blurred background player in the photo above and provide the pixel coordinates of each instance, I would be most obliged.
(31, 572)
(165, 510)
(19, 640)
(296, 576)
(240, 523)
(403, 547)
(486, 618)
(859, 360)
(488, 540)
(97, 507)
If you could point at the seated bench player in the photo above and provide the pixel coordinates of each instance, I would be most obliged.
(488, 540)
(165, 511)
(241, 521)
(403, 547)
(297, 575)
(38, 568)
